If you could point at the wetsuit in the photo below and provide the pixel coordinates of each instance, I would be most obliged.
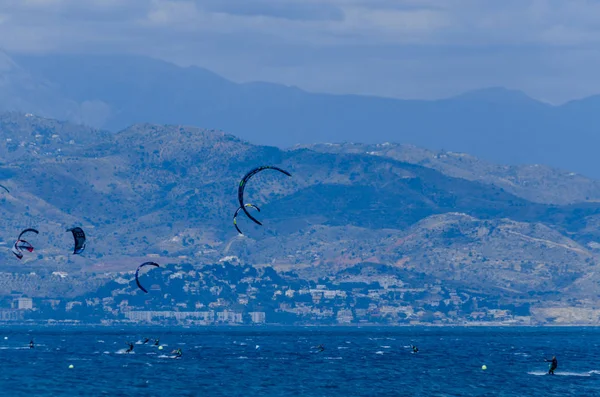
(130, 347)
(553, 365)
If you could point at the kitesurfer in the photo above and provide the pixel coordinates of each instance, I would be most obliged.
(178, 353)
(137, 280)
(236, 214)
(79, 239)
(243, 184)
(553, 365)
(130, 347)
(156, 342)
(146, 340)
(415, 349)
(31, 346)
(321, 348)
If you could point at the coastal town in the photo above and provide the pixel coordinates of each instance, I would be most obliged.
(227, 294)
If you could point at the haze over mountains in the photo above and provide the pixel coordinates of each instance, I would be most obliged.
(114, 92)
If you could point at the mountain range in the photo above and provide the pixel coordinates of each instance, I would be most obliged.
(168, 192)
(113, 92)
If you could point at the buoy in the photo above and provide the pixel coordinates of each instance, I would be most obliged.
(484, 367)
(71, 366)
(159, 347)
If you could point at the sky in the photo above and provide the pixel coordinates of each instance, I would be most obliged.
(417, 49)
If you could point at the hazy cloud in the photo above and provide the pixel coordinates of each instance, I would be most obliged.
(404, 48)
(290, 9)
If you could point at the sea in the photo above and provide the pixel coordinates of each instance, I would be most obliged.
(265, 361)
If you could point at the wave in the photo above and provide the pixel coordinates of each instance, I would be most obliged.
(565, 373)
(14, 348)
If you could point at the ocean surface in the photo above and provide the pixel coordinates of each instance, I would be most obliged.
(284, 362)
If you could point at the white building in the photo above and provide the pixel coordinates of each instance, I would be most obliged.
(345, 316)
(258, 317)
(206, 317)
(72, 304)
(229, 317)
(24, 304)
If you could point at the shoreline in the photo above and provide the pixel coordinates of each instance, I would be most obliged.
(68, 324)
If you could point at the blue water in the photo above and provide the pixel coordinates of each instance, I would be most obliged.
(356, 362)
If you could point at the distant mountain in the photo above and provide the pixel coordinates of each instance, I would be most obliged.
(21, 91)
(500, 96)
(113, 92)
(170, 192)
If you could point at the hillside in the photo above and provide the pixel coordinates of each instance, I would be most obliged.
(170, 192)
(534, 182)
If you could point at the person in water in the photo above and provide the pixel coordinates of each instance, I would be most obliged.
(553, 365)
(156, 342)
(415, 348)
(130, 347)
(31, 344)
(178, 353)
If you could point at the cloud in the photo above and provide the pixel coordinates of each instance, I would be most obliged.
(387, 47)
(311, 10)
(338, 22)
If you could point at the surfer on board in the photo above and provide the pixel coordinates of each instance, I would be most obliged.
(553, 365)
(178, 353)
